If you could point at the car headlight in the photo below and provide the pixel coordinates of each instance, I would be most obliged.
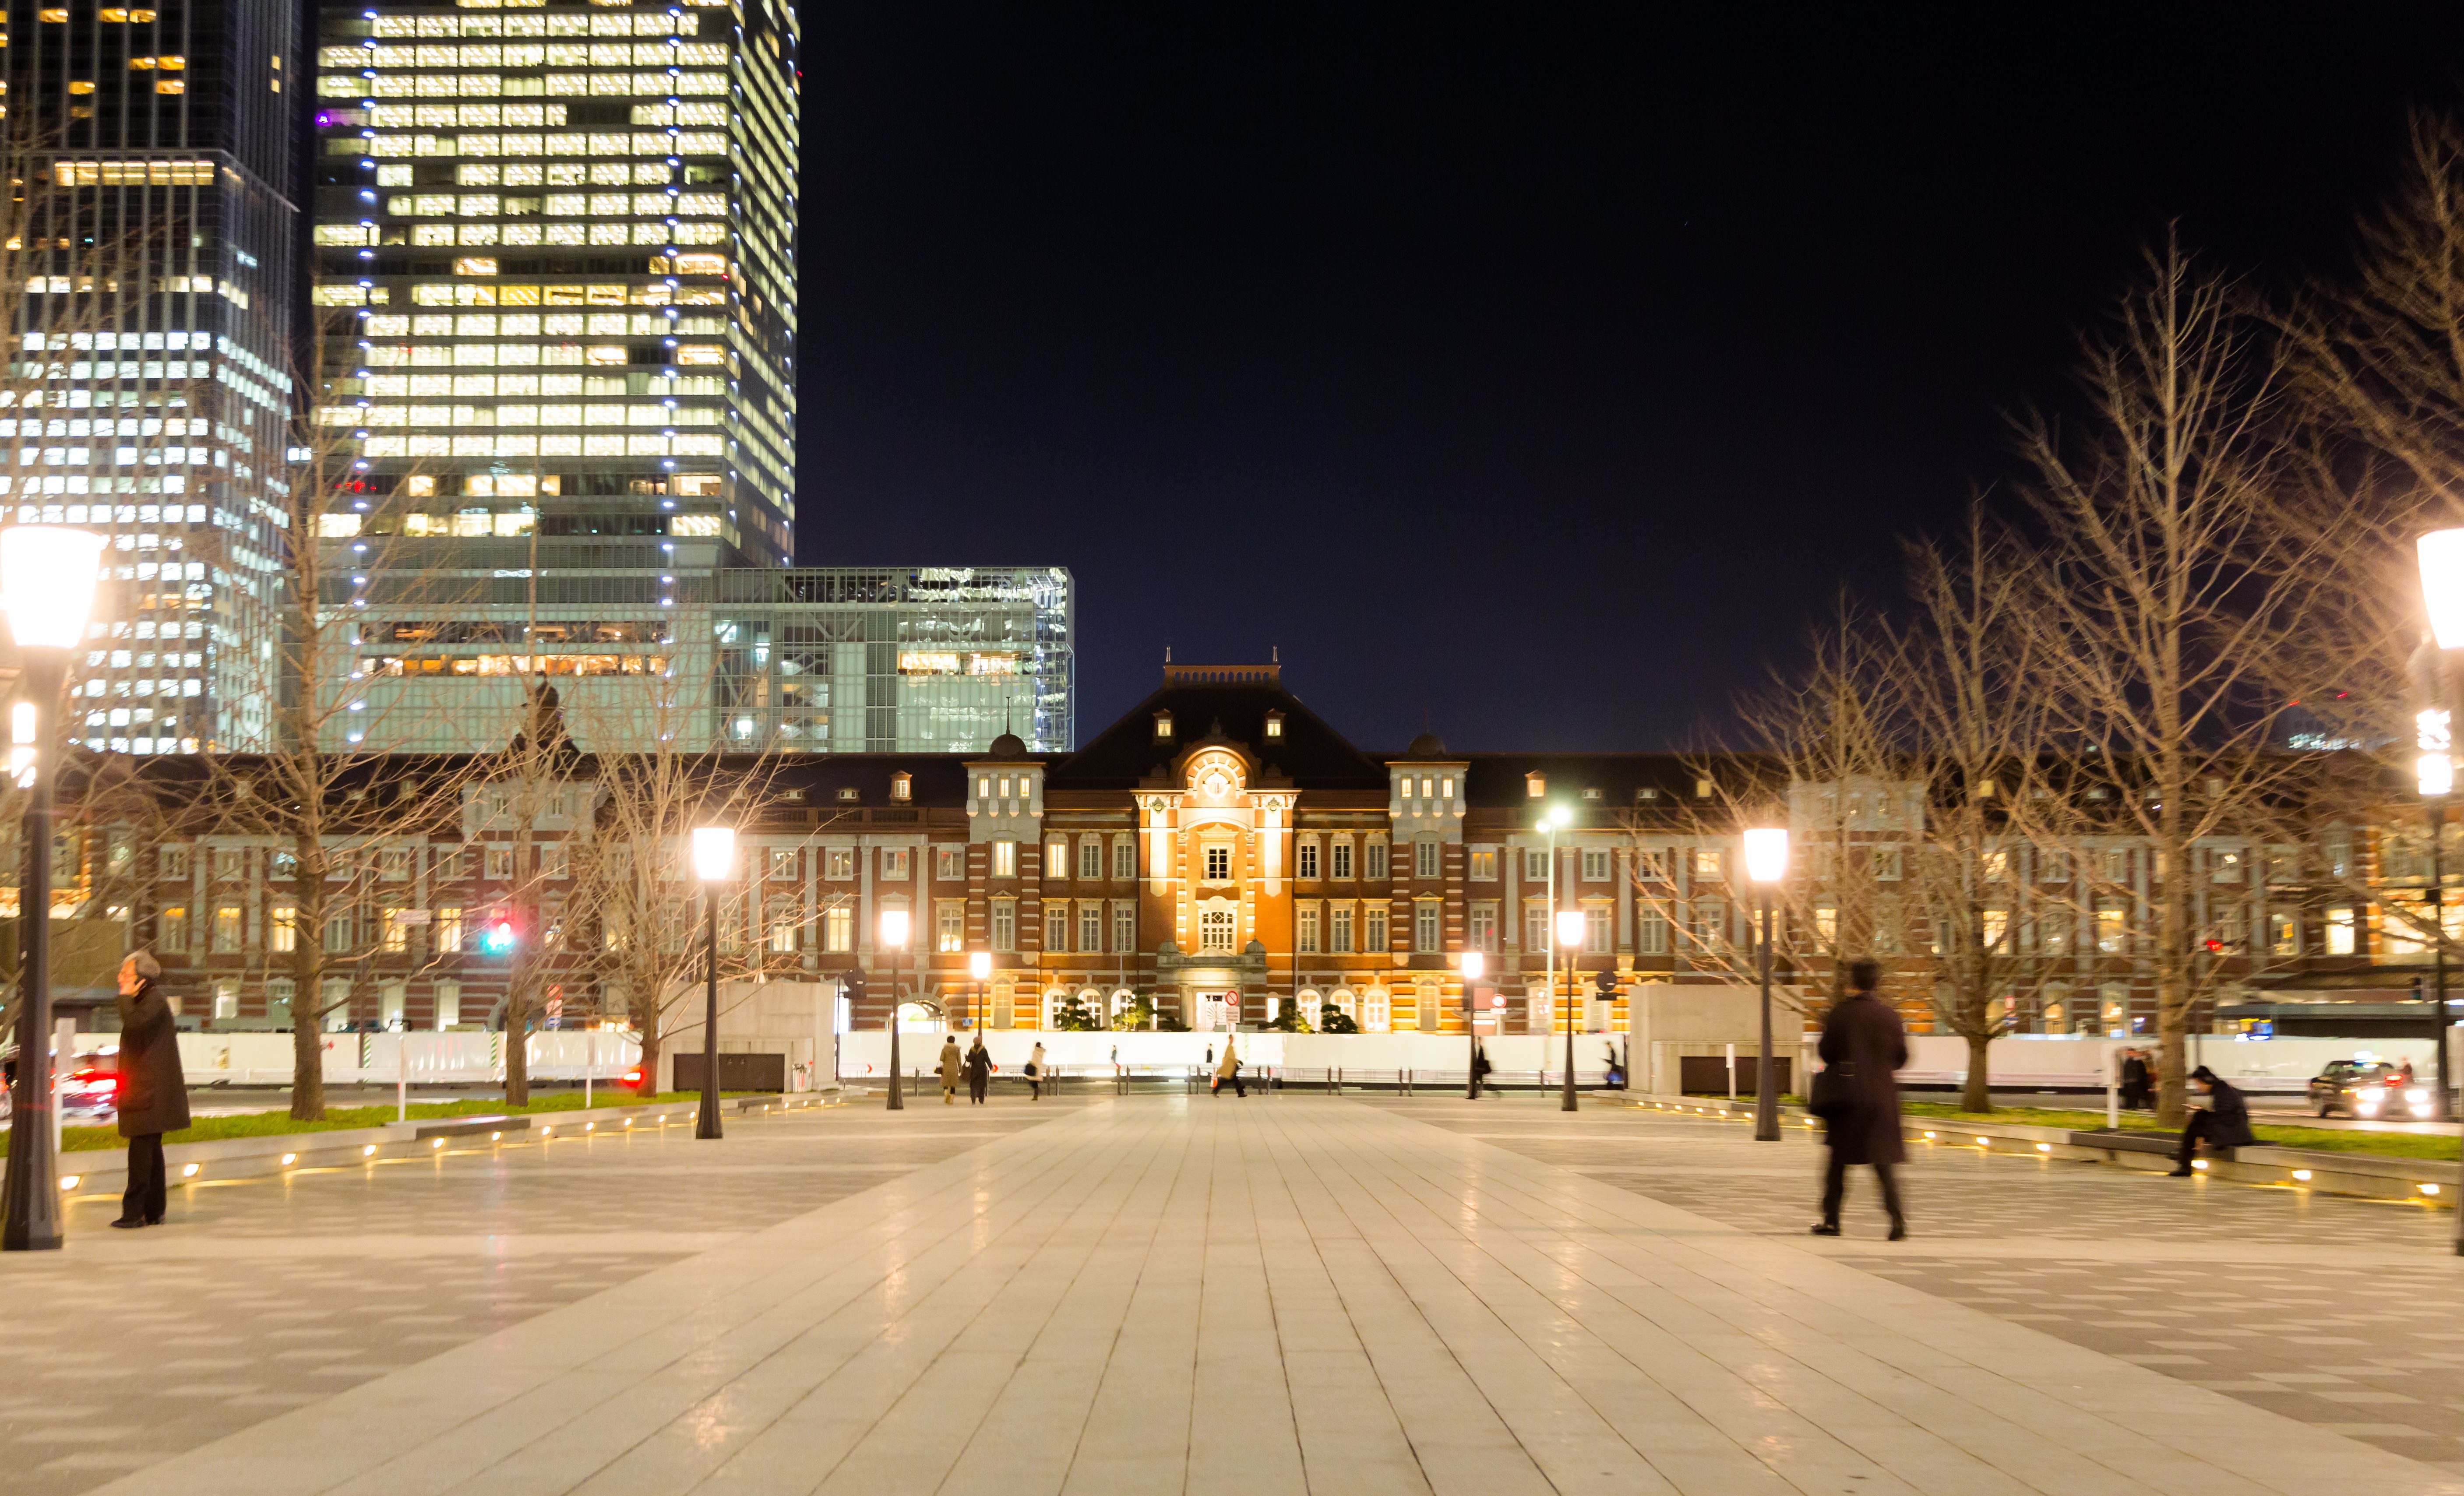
(2417, 1095)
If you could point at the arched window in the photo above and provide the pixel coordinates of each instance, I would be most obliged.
(1054, 1000)
(1375, 1013)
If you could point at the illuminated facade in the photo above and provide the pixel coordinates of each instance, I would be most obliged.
(915, 659)
(906, 659)
(149, 251)
(556, 253)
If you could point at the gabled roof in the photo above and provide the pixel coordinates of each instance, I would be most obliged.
(1229, 701)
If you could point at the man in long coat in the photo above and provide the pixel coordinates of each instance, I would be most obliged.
(1862, 1034)
(153, 1093)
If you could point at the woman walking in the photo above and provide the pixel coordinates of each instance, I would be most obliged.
(952, 1066)
(1863, 1040)
(1230, 1071)
(979, 1071)
(1035, 1073)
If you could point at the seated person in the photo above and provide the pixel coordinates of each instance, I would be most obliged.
(2224, 1121)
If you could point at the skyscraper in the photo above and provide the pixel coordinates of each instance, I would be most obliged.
(149, 262)
(556, 245)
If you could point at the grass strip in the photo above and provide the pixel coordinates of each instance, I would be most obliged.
(273, 1124)
(2333, 1140)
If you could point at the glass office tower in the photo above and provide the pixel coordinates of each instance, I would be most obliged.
(556, 250)
(149, 259)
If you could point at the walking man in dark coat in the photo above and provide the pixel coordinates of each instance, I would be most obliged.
(1863, 1037)
(153, 1093)
(2224, 1122)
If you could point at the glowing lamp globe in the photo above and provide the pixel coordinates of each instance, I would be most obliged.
(1474, 964)
(714, 852)
(47, 576)
(2442, 585)
(1569, 928)
(1767, 854)
(979, 965)
(893, 929)
(2436, 774)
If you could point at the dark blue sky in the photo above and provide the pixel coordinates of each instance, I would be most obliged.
(1530, 375)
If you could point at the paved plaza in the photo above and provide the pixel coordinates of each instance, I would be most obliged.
(1155, 1293)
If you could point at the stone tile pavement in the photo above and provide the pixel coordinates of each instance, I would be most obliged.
(1299, 1294)
(267, 1294)
(2342, 1314)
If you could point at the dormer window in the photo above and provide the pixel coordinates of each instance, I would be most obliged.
(1535, 786)
(899, 784)
(1592, 794)
(1646, 793)
(848, 793)
(1701, 789)
(1163, 725)
(1274, 725)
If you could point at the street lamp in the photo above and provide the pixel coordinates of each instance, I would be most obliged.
(1473, 963)
(1570, 935)
(47, 576)
(1766, 864)
(980, 966)
(713, 858)
(1554, 820)
(2442, 596)
(893, 936)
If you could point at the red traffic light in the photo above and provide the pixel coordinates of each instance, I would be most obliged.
(2215, 947)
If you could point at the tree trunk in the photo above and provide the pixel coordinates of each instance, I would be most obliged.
(518, 1053)
(2172, 961)
(650, 1060)
(307, 977)
(1977, 1094)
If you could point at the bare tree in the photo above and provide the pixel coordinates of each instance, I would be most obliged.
(1812, 750)
(2170, 580)
(633, 911)
(1973, 727)
(324, 788)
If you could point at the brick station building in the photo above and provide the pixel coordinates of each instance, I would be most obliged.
(1220, 850)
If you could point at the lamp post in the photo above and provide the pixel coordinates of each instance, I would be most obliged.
(713, 858)
(980, 966)
(2442, 596)
(47, 576)
(1474, 962)
(1570, 935)
(893, 936)
(1551, 820)
(1766, 863)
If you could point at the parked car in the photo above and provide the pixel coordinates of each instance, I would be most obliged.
(89, 1087)
(2370, 1089)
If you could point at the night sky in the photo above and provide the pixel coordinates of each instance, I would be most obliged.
(1533, 380)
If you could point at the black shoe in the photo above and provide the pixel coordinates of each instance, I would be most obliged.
(1827, 1228)
(153, 1220)
(128, 1223)
(1899, 1230)
(2179, 1174)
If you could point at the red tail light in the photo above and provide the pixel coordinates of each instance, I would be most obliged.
(634, 1076)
